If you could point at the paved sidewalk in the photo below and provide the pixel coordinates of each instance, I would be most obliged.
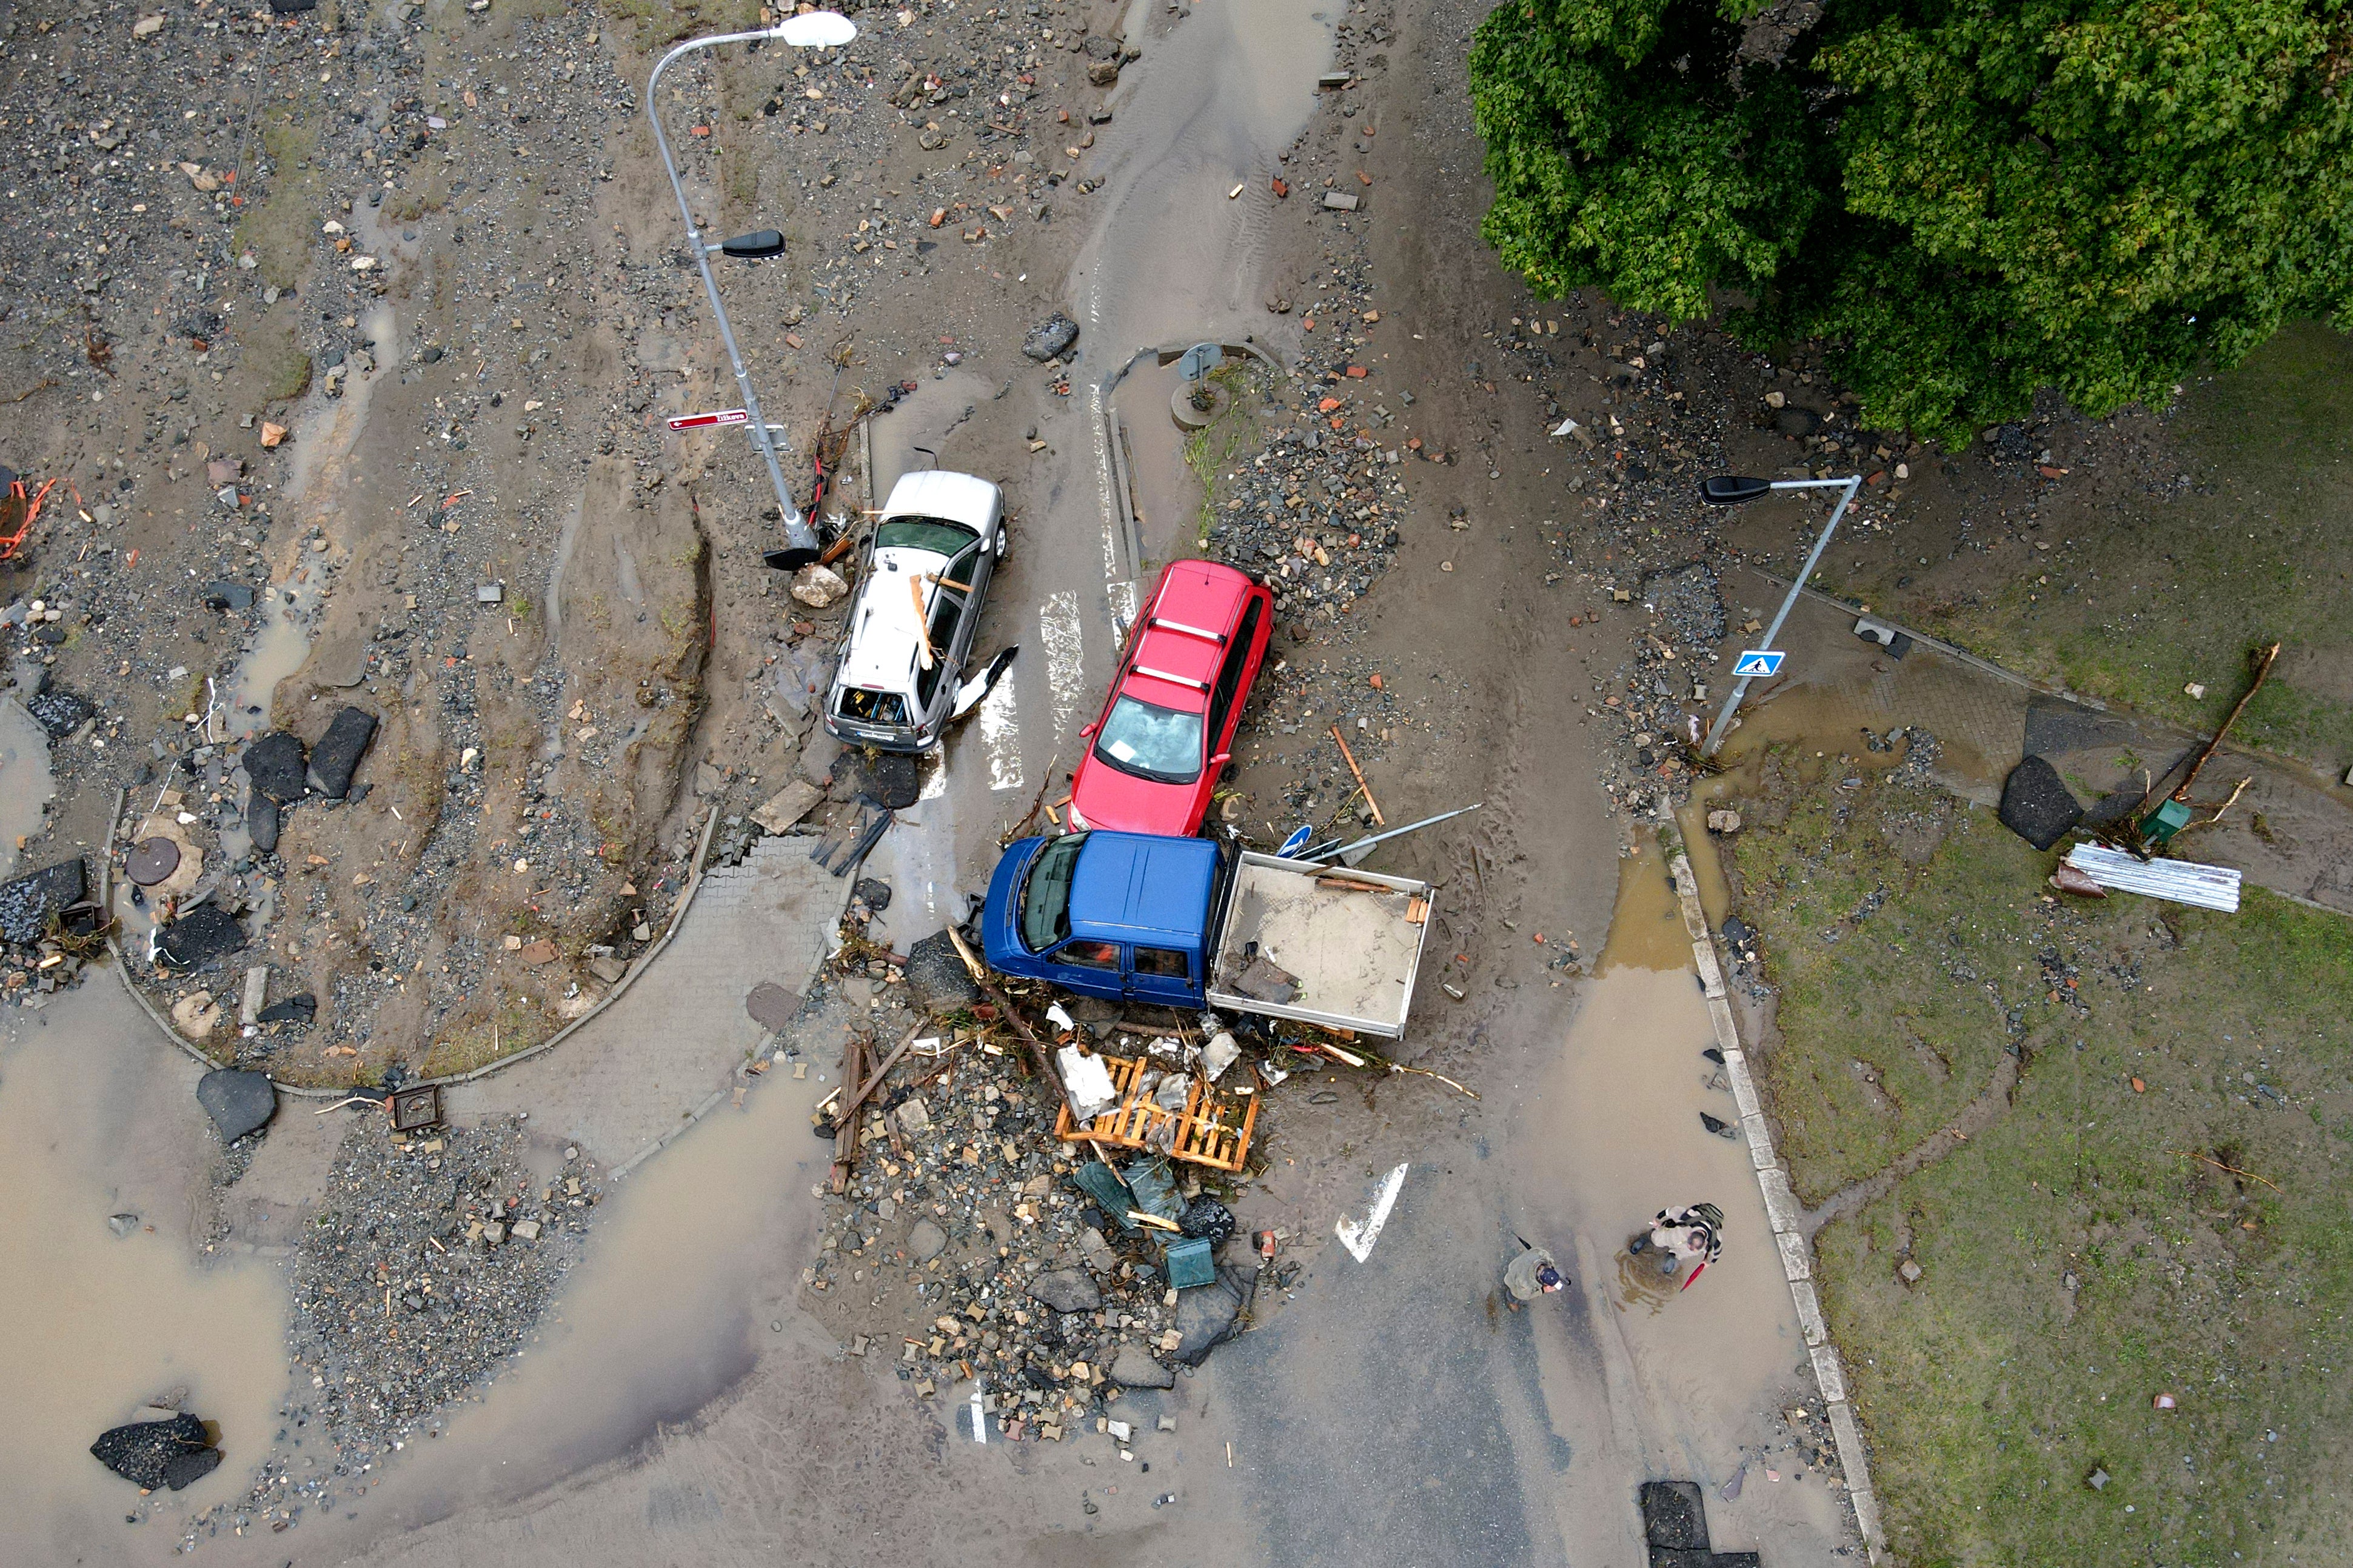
(2291, 832)
(646, 1065)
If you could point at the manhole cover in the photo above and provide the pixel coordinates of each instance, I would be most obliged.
(152, 860)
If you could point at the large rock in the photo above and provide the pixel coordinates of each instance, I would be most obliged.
(925, 1241)
(275, 764)
(190, 1465)
(262, 823)
(145, 1452)
(300, 1008)
(203, 934)
(1053, 337)
(59, 713)
(337, 755)
(1067, 1290)
(1673, 1516)
(1209, 1315)
(238, 1102)
(26, 903)
(1134, 1368)
(2036, 804)
(936, 976)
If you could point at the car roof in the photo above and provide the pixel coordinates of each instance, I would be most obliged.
(883, 627)
(1134, 887)
(1192, 596)
(935, 492)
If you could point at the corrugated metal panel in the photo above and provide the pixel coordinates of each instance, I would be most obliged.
(2184, 882)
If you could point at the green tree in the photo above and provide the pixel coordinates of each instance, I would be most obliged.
(1965, 200)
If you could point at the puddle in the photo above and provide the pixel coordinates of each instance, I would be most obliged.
(96, 1121)
(1646, 929)
(614, 1362)
(1707, 864)
(564, 542)
(327, 430)
(289, 610)
(1167, 494)
(25, 782)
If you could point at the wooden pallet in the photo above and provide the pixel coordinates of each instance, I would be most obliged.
(1204, 1131)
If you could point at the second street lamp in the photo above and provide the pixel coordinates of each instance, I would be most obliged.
(1733, 490)
(810, 30)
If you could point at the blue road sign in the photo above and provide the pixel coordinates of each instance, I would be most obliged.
(1295, 844)
(1760, 661)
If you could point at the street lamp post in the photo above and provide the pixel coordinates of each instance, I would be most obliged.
(1726, 489)
(813, 29)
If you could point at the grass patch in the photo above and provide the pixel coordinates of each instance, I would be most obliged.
(280, 228)
(516, 1025)
(1208, 449)
(2086, 1251)
(280, 366)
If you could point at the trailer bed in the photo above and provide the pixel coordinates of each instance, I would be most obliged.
(1344, 944)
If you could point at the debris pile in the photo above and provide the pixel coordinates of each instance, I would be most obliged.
(968, 1219)
(431, 1260)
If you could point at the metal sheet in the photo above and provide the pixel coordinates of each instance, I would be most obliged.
(2183, 881)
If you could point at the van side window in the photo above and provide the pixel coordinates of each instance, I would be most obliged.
(1090, 955)
(1165, 962)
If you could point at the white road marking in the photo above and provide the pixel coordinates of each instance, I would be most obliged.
(1059, 629)
(1122, 609)
(935, 777)
(1000, 731)
(1359, 1238)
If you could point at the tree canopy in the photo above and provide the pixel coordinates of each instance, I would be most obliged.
(1965, 199)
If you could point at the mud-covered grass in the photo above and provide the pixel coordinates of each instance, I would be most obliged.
(280, 229)
(1209, 449)
(2140, 596)
(2087, 1252)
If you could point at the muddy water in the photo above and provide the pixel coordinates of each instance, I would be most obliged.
(1167, 493)
(97, 1119)
(26, 782)
(1614, 1131)
(289, 610)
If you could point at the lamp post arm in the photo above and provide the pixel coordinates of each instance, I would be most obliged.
(1846, 488)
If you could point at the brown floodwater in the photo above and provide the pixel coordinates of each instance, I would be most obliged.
(98, 1118)
(25, 782)
(1693, 1375)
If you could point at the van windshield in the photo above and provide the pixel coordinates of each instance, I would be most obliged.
(1046, 893)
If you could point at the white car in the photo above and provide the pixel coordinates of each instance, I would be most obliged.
(925, 572)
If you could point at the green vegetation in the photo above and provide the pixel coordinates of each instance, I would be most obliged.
(1208, 449)
(2158, 1208)
(281, 228)
(1965, 202)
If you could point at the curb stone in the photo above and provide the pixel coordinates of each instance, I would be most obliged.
(1781, 1208)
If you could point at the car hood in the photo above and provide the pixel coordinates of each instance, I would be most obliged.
(1123, 803)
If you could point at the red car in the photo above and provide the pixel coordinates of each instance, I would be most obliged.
(1169, 729)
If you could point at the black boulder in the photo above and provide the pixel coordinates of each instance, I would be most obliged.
(275, 764)
(144, 1451)
(238, 1102)
(203, 934)
(26, 903)
(337, 755)
(2036, 804)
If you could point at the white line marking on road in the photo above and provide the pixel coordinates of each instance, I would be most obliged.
(1122, 609)
(1000, 731)
(1359, 1238)
(1059, 629)
(979, 1419)
(1103, 481)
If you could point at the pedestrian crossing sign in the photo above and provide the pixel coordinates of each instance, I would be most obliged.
(1759, 661)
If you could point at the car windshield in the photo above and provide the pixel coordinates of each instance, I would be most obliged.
(924, 533)
(1046, 894)
(872, 707)
(1152, 742)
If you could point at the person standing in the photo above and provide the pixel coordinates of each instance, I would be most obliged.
(1693, 1235)
(1532, 1274)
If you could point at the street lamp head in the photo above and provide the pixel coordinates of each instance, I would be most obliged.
(757, 246)
(815, 30)
(1730, 490)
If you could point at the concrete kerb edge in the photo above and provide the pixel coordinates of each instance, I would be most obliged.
(301, 1092)
(1796, 1249)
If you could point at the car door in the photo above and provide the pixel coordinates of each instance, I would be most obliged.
(1162, 976)
(971, 566)
(1227, 697)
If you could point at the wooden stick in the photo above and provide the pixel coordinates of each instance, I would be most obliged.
(1040, 1057)
(2233, 1169)
(889, 1062)
(2264, 662)
(1350, 758)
